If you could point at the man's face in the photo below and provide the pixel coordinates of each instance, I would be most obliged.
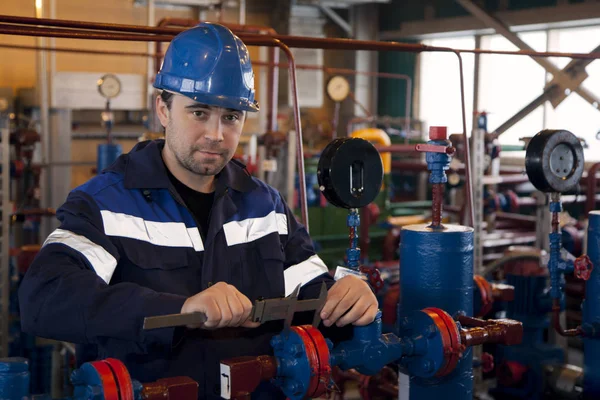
(202, 138)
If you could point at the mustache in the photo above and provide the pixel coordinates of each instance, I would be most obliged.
(209, 149)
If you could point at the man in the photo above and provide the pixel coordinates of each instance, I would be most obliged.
(177, 226)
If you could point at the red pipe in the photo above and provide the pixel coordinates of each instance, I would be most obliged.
(397, 148)
(17, 30)
(556, 322)
(291, 41)
(63, 23)
(73, 50)
(298, 126)
(591, 188)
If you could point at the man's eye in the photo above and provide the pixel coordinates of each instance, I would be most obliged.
(199, 113)
(232, 117)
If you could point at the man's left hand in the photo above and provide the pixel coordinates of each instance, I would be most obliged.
(349, 301)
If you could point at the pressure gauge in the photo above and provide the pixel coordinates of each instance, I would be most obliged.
(109, 86)
(338, 88)
(554, 161)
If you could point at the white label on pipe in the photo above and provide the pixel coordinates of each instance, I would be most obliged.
(225, 381)
(403, 387)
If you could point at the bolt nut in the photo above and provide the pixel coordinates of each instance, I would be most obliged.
(432, 331)
(403, 323)
(427, 365)
(276, 342)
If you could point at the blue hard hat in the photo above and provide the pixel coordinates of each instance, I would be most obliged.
(210, 65)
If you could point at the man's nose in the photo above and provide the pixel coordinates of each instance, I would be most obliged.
(214, 132)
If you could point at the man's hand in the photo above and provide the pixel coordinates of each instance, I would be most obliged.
(223, 305)
(353, 294)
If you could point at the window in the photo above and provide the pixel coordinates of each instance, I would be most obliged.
(439, 103)
(509, 83)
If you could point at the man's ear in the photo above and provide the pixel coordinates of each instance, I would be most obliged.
(162, 111)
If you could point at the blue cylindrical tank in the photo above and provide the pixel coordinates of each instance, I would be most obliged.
(14, 378)
(107, 154)
(591, 313)
(436, 270)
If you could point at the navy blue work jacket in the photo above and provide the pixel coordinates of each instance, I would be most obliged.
(128, 248)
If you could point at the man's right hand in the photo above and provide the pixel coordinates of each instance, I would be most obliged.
(223, 305)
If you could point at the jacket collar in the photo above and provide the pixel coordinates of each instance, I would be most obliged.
(145, 169)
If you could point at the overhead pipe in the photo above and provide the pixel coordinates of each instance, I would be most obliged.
(298, 125)
(290, 41)
(294, 41)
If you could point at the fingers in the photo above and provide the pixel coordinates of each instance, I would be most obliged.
(367, 317)
(238, 313)
(245, 311)
(356, 312)
(337, 304)
(213, 314)
(349, 301)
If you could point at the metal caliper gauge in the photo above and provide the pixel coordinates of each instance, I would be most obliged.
(109, 86)
(554, 161)
(338, 88)
(350, 172)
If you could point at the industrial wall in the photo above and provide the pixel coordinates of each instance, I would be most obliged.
(18, 68)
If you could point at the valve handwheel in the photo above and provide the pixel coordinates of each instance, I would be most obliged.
(487, 363)
(583, 267)
(374, 277)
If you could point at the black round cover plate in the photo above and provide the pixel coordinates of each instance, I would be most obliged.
(350, 172)
(554, 161)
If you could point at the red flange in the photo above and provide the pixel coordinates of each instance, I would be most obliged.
(450, 339)
(109, 384)
(317, 353)
(487, 295)
(122, 377)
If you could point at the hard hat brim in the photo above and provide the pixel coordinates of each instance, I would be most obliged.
(223, 101)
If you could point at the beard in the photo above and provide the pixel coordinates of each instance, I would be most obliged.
(191, 158)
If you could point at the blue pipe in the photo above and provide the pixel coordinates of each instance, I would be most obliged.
(591, 314)
(107, 154)
(557, 265)
(436, 270)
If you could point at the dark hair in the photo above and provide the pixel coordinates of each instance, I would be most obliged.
(167, 98)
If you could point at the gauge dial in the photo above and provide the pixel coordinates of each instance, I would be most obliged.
(338, 88)
(109, 86)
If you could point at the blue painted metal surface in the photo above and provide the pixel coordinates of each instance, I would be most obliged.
(353, 252)
(293, 367)
(436, 270)
(14, 378)
(420, 348)
(531, 306)
(591, 314)
(557, 266)
(420, 351)
(107, 154)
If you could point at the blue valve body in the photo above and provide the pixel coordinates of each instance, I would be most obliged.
(438, 163)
